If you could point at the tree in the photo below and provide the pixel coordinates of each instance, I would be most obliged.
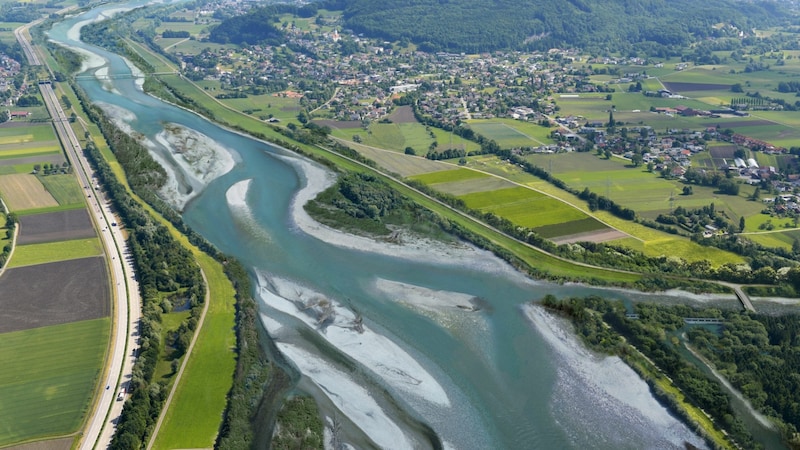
(687, 190)
(410, 151)
(637, 159)
(741, 225)
(302, 117)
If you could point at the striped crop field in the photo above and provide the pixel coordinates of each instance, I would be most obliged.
(48, 378)
(524, 207)
(449, 176)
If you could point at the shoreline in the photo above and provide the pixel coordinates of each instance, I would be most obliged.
(413, 247)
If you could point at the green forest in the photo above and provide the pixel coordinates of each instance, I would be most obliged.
(756, 352)
(474, 26)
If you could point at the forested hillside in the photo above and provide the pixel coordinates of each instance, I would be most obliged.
(655, 26)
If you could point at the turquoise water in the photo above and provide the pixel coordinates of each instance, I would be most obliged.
(504, 376)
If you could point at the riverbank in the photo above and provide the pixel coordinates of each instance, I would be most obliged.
(405, 245)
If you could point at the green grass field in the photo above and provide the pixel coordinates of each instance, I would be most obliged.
(779, 239)
(208, 374)
(33, 132)
(64, 188)
(512, 133)
(449, 176)
(48, 378)
(26, 255)
(524, 207)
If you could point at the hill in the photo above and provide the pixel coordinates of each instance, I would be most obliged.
(653, 26)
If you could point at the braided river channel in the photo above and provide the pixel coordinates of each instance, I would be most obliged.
(424, 345)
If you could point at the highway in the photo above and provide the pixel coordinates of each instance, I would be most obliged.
(106, 407)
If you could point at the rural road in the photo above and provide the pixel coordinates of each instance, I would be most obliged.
(106, 409)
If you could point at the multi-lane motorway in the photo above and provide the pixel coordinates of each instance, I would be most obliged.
(108, 403)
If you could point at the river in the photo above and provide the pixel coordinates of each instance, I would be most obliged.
(434, 346)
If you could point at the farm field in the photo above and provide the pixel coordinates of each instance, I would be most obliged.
(61, 364)
(449, 176)
(54, 293)
(64, 188)
(24, 191)
(646, 193)
(395, 162)
(55, 226)
(512, 133)
(459, 188)
(652, 242)
(526, 208)
(26, 255)
(780, 239)
(403, 131)
(16, 134)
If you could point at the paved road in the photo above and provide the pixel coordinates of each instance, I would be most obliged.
(125, 290)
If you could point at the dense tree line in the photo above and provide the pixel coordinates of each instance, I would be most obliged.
(174, 34)
(473, 26)
(759, 355)
(254, 27)
(168, 277)
(602, 324)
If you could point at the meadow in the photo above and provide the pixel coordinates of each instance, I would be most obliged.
(27, 255)
(64, 188)
(524, 207)
(193, 418)
(61, 365)
(512, 133)
(648, 240)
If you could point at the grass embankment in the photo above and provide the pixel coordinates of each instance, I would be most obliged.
(192, 419)
(48, 377)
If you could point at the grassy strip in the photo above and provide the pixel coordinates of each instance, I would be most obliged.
(61, 365)
(24, 153)
(48, 209)
(27, 255)
(193, 417)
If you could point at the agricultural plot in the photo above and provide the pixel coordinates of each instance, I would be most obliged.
(506, 135)
(449, 176)
(64, 188)
(21, 132)
(54, 293)
(781, 239)
(640, 235)
(61, 365)
(459, 188)
(524, 207)
(394, 162)
(33, 254)
(55, 226)
(24, 191)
